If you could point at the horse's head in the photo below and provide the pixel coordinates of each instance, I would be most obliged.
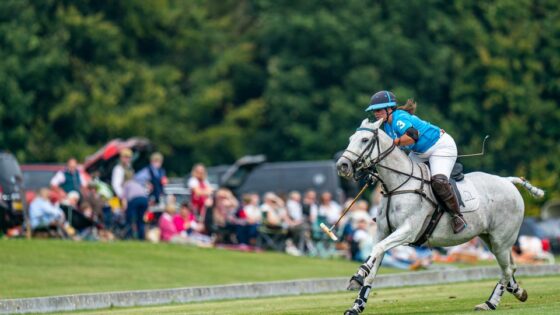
(360, 153)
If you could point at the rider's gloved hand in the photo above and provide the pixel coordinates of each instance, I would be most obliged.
(370, 179)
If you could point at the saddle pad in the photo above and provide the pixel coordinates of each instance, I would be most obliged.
(469, 200)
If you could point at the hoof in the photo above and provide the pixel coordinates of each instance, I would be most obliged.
(523, 296)
(483, 307)
(351, 312)
(354, 285)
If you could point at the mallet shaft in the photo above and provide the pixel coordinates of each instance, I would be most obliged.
(328, 231)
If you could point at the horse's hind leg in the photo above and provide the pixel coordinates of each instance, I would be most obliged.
(513, 287)
(507, 281)
(493, 301)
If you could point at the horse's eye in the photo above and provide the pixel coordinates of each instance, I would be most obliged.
(365, 140)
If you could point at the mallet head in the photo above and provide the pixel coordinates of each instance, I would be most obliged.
(328, 231)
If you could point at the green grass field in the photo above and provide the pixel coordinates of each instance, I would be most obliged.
(50, 267)
(460, 298)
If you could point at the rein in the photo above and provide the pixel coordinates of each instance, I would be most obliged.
(361, 163)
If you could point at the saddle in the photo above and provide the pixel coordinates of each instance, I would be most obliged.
(457, 176)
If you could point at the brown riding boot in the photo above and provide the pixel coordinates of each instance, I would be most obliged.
(442, 188)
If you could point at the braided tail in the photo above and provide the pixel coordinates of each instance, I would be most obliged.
(535, 191)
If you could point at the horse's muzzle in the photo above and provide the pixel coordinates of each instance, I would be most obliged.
(344, 168)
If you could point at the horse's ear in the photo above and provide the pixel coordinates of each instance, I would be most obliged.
(377, 124)
(364, 122)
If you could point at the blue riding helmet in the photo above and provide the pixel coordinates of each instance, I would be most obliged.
(382, 99)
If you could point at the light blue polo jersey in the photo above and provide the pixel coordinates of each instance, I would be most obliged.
(428, 134)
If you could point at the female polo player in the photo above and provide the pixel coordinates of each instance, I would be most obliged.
(425, 141)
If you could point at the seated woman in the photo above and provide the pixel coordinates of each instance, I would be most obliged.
(167, 227)
(181, 228)
(44, 214)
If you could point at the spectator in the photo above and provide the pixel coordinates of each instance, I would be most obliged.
(224, 209)
(174, 227)
(407, 257)
(531, 251)
(94, 199)
(99, 194)
(72, 199)
(298, 228)
(85, 227)
(328, 208)
(87, 210)
(295, 209)
(169, 231)
(469, 252)
(190, 228)
(251, 208)
(185, 221)
(246, 220)
(118, 174)
(43, 213)
(273, 211)
(200, 190)
(135, 201)
(358, 212)
(69, 179)
(154, 175)
(362, 236)
(309, 205)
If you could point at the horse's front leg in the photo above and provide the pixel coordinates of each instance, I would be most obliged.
(365, 275)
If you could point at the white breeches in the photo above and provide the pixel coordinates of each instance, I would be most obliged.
(442, 156)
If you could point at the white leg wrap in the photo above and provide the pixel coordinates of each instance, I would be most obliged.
(366, 267)
(496, 296)
(517, 291)
(361, 300)
(512, 286)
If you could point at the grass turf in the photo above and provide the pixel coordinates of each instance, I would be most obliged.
(50, 267)
(459, 298)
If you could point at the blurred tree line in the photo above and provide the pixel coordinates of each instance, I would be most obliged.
(211, 81)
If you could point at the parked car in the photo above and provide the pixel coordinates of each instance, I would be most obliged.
(177, 187)
(253, 174)
(12, 201)
(107, 157)
(547, 230)
(37, 176)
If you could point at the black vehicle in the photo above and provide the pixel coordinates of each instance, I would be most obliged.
(547, 230)
(12, 201)
(251, 174)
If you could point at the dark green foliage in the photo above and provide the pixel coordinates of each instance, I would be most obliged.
(211, 81)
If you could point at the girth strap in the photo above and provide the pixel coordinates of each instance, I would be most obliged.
(436, 216)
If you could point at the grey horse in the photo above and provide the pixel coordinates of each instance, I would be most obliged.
(409, 202)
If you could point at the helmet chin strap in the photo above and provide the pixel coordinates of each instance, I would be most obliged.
(388, 114)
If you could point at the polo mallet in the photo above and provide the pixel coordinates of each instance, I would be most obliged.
(328, 231)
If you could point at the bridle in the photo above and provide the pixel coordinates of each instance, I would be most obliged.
(363, 163)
